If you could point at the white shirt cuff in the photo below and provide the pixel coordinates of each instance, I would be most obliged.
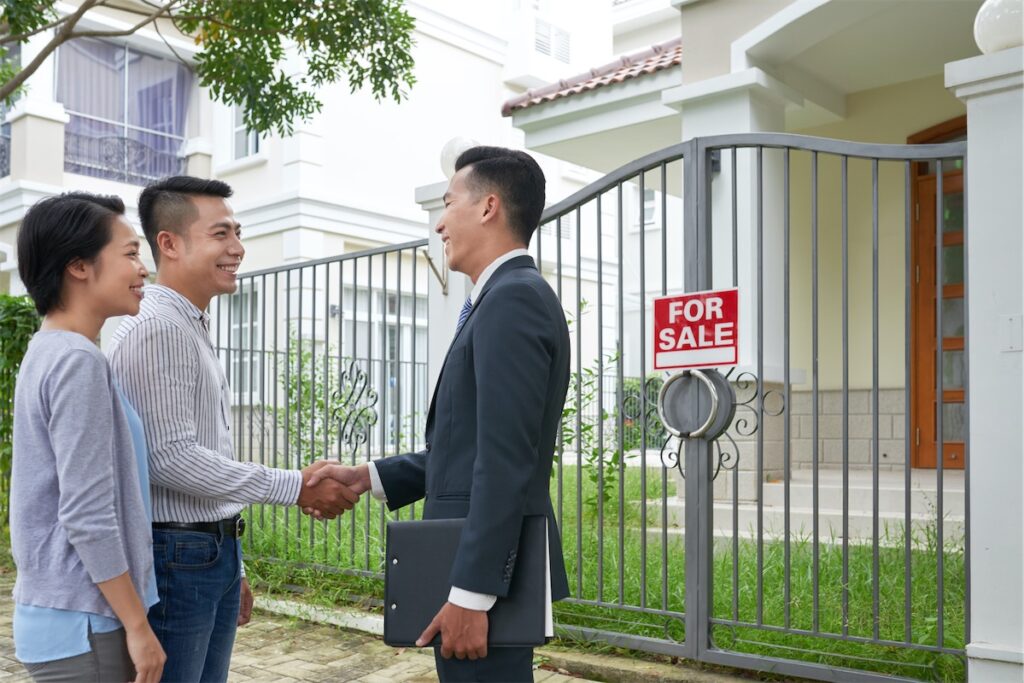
(480, 602)
(376, 487)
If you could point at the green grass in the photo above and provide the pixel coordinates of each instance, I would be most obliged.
(329, 562)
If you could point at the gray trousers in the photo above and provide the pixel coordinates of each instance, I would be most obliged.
(108, 661)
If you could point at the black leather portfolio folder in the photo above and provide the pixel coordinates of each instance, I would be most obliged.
(416, 583)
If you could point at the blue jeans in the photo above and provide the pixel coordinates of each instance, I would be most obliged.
(198, 579)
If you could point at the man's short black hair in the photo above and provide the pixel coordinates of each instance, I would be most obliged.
(57, 231)
(512, 175)
(167, 205)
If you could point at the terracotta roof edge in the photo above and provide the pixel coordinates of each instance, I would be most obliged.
(596, 72)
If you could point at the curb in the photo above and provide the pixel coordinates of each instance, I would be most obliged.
(594, 666)
(615, 668)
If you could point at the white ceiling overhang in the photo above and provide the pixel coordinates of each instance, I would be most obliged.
(828, 49)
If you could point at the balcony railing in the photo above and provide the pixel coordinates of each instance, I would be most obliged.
(5, 155)
(139, 159)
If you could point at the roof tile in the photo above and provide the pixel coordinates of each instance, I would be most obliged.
(656, 58)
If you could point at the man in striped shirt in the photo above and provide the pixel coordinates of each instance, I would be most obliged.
(167, 366)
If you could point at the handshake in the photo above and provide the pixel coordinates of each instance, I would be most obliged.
(329, 488)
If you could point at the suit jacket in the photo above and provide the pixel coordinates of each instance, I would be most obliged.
(491, 430)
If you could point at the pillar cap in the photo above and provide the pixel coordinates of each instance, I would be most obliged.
(40, 109)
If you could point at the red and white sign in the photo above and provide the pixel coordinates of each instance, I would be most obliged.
(697, 330)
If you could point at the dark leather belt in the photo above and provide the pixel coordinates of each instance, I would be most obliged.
(233, 527)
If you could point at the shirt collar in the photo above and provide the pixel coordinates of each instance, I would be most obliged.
(179, 300)
(489, 271)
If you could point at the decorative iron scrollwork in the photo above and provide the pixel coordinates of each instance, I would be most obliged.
(671, 454)
(353, 404)
(772, 403)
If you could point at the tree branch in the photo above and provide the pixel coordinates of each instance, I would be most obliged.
(64, 34)
(22, 37)
(170, 47)
(159, 12)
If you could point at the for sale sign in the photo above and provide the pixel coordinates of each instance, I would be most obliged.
(696, 330)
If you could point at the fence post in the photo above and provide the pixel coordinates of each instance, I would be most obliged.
(991, 86)
(443, 310)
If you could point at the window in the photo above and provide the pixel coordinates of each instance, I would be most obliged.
(127, 111)
(246, 142)
(246, 358)
(567, 230)
(13, 56)
(551, 41)
(650, 207)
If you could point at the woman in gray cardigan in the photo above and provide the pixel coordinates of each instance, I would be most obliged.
(80, 520)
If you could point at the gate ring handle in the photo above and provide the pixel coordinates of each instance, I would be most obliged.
(713, 413)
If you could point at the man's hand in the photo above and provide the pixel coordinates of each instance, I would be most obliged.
(327, 497)
(356, 478)
(245, 607)
(463, 632)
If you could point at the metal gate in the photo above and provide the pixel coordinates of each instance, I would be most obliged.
(801, 541)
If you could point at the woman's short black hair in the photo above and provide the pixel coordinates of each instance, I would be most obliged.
(56, 231)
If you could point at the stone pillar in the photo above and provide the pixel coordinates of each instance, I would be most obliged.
(198, 155)
(992, 86)
(444, 308)
(37, 141)
(37, 122)
(745, 102)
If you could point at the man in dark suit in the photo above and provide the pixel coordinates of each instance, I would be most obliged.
(495, 413)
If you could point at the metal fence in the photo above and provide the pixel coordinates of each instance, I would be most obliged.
(813, 538)
(326, 359)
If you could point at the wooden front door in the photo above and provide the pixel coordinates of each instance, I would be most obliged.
(926, 339)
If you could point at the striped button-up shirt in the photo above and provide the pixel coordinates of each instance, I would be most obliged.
(167, 367)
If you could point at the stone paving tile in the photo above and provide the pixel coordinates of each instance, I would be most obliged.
(274, 649)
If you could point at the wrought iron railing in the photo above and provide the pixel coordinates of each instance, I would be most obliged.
(5, 154)
(327, 360)
(118, 158)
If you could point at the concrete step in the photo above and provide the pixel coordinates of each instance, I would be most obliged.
(891, 498)
(830, 523)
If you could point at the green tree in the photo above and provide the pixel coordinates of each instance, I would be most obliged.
(18, 322)
(243, 45)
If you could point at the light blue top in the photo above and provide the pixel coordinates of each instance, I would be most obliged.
(44, 634)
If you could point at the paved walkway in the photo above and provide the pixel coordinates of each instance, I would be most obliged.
(283, 650)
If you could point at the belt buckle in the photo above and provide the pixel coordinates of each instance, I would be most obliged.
(239, 527)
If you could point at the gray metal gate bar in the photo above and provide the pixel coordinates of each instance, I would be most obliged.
(759, 279)
(846, 393)
(907, 398)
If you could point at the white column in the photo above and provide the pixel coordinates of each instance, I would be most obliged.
(444, 308)
(749, 101)
(991, 86)
(37, 122)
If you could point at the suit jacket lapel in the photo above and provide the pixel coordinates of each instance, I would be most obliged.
(511, 264)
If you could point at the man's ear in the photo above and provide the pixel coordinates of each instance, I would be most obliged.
(79, 269)
(169, 245)
(492, 206)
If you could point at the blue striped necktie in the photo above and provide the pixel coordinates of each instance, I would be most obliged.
(464, 313)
